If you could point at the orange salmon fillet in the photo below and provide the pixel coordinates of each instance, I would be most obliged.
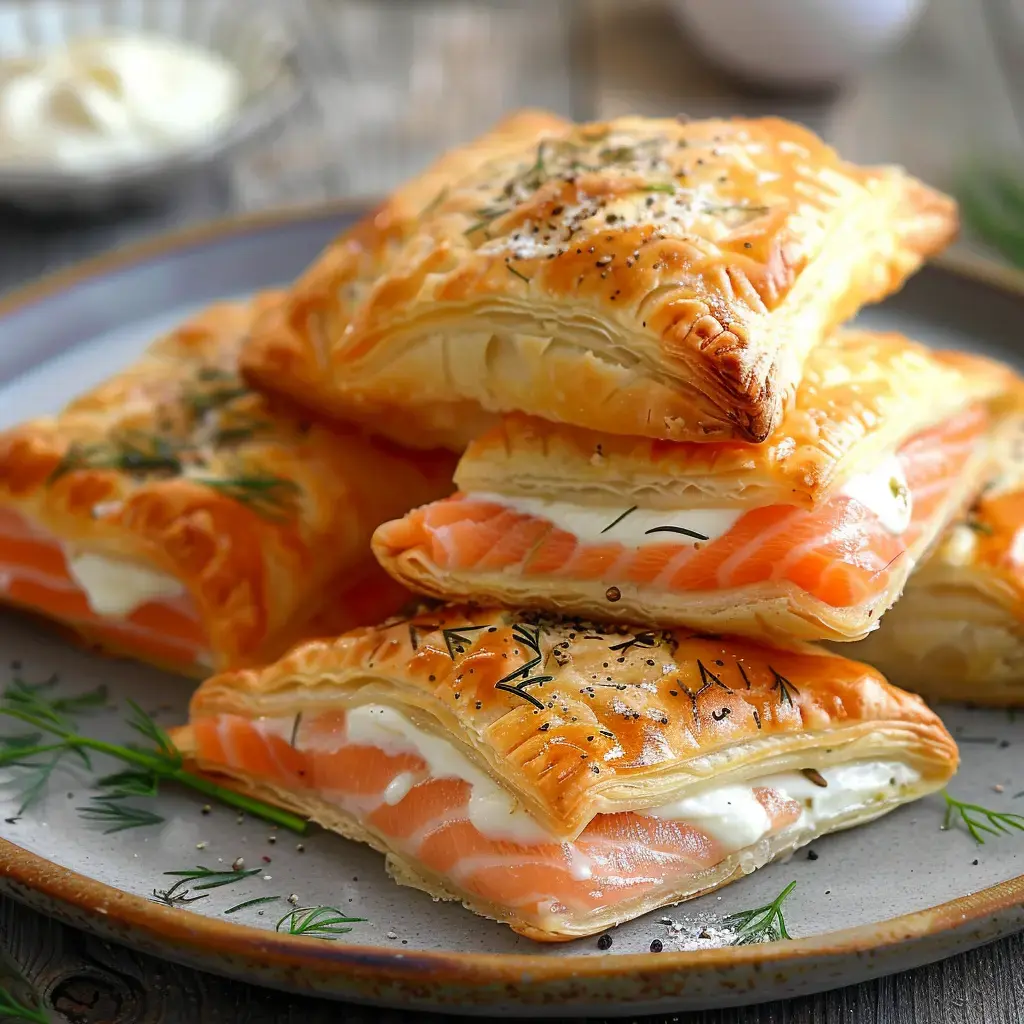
(618, 857)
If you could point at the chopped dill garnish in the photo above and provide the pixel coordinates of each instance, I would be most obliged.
(317, 922)
(665, 187)
(272, 497)
(257, 902)
(512, 270)
(210, 878)
(161, 761)
(676, 529)
(13, 1009)
(118, 816)
(763, 924)
(995, 823)
(618, 519)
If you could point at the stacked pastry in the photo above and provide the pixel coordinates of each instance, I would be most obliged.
(676, 472)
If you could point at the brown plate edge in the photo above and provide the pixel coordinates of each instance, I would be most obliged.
(376, 974)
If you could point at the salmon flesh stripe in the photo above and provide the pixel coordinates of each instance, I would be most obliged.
(34, 575)
(839, 553)
(619, 857)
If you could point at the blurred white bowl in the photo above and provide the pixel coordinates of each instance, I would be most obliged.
(796, 42)
(254, 38)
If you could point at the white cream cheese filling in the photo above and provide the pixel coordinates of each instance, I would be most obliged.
(632, 527)
(883, 490)
(733, 816)
(115, 588)
(730, 814)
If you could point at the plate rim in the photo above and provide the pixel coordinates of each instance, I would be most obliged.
(106, 906)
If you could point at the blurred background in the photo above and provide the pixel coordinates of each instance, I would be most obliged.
(381, 86)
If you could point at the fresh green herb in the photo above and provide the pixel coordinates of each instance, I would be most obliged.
(521, 634)
(978, 526)
(210, 878)
(764, 924)
(257, 902)
(784, 686)
(133, 452)
(22, 751)
(512, 270)
(14, 1009)
(118, 816)
(202, 402)
(646, 639)
(174, 899)
(618, 519)
(272, 497)
(995, 822)
(898, 490)
(239, 430)
(162, 761)
(676, 529)
(317, 922)
(455, 640)
(662, 187)
(128, 783)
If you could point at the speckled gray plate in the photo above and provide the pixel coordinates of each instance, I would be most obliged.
(890, 896)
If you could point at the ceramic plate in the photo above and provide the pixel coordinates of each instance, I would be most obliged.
(883, 898)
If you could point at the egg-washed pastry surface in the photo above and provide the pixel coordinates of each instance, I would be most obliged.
(643, 277)
(562, 776)
(291, 350)
(174, 515)
(811, 534)
(958, 631)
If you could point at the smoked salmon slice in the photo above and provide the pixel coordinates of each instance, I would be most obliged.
(827, 571)
(560, 775)
(175, 516)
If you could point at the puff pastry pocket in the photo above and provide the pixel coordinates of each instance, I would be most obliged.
(290, 350)
(573, 776)
(175, 516)
(958, 631)
(644, 277)
(811, 534)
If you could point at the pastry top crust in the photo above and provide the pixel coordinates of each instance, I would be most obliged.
(578, 719)
(862, 395)
(175, 464)
(675, 275)
(289, 349)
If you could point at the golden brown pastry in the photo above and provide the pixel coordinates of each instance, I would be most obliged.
(290, 351)
(811, 534)
(561, 776)
(637, 276)
(173, 515)
(958, 632)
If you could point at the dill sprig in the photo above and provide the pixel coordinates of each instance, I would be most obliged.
(763, 924)
(676, 529)
(618, 519)
(257, 902)
(23, 751)
(272, 497)
(978, 819)
(210, 878)
(175, 899)
(317, 922)
(160, 762)
(13, 1009)
(118, 816)
(133, 452)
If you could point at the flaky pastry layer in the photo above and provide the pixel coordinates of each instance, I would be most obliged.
(576, 719)
(863, 393)
(174, 465)
(638, 276)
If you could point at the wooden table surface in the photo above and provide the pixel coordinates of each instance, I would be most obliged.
(390, 83)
